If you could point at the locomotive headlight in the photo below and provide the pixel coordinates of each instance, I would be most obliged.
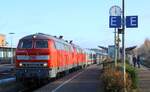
(45, 64)
(20, 64)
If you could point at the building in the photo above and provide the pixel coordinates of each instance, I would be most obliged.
(7, 54)
(2, 40)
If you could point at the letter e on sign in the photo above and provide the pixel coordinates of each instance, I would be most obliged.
(132, 21)
(115, 21)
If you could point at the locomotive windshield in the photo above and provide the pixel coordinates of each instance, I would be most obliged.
(26, 44)
(41, 44)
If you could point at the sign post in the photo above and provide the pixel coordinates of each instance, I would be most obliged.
(118, 21)
(123, 45)
(115, 22)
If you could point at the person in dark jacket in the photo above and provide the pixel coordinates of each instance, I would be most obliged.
(138, 61)
(134, 60)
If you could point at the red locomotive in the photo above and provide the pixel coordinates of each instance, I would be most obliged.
(42, 56)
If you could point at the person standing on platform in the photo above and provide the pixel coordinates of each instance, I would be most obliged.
(134, 60)
(138, 61)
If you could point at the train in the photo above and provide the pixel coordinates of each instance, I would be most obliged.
(42, 56)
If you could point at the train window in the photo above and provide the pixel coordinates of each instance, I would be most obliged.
(78, 50)
(62, 46)
(25, 44)
(72, 49)
(66, 47)
(91, 55)
(54, 45)
(41, 44)
(59, 46)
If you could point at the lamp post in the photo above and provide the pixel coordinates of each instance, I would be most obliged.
(12, 54)
(115, 42)
(123, 44)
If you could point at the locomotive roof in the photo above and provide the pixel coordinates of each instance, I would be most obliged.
(38, 36)
(44, 37)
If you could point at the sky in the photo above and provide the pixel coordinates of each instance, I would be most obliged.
(86, 22)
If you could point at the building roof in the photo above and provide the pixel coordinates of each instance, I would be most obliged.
(2, 35)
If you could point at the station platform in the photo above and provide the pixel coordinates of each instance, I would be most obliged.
(87, 80)
(144, 79)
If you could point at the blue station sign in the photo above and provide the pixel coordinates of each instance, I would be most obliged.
(132, 21)
(116, 21)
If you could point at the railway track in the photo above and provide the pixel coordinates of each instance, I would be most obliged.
(13, 86)
(10, 85)
(7, 80)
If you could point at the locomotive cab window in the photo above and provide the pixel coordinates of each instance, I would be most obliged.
(25, 44)
(41, 44)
